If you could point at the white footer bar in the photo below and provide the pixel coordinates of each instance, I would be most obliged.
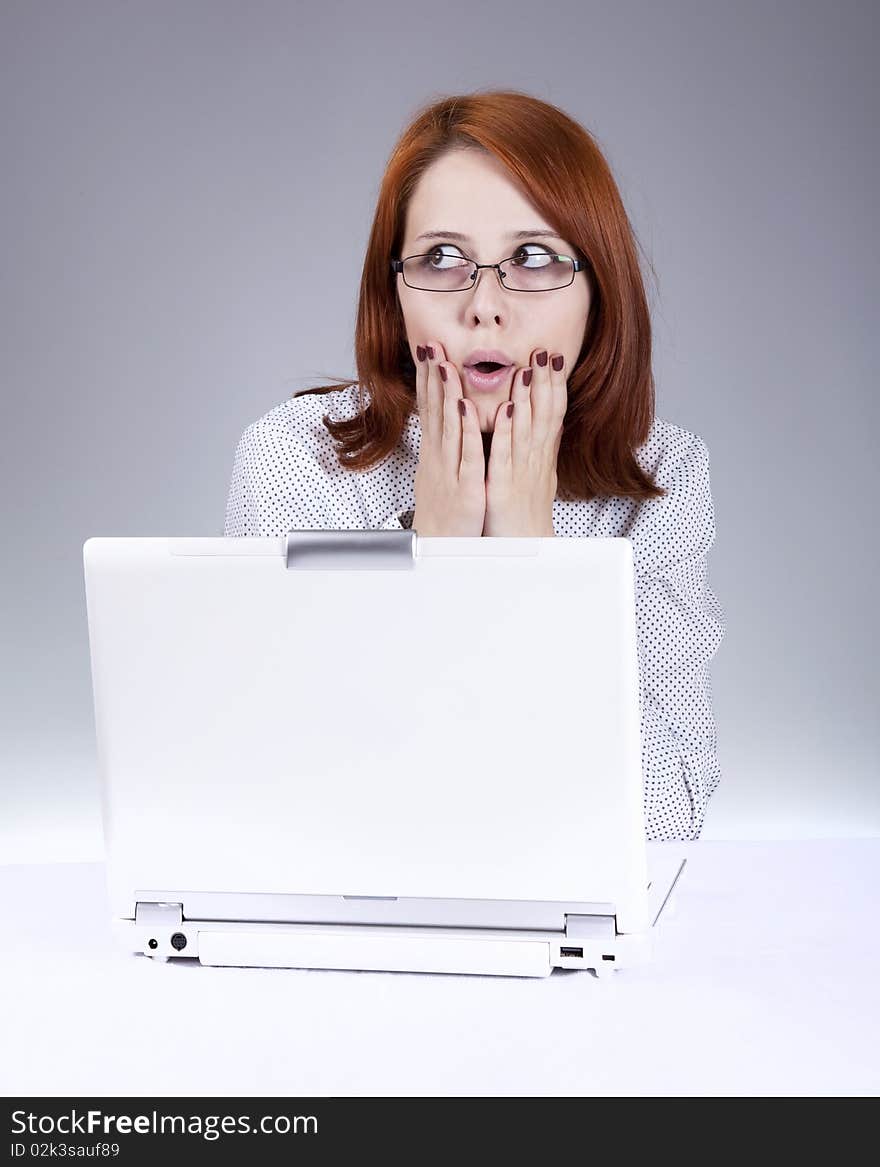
(364, 951)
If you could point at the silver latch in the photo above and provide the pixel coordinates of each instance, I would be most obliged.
(590, 927)
(158, 915)
(344, 550)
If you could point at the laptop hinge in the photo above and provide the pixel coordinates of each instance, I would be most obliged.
(158, 915)
(346, 550)
(590, 927)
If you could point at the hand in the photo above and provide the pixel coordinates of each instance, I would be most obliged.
(450, 477)
(521, 481)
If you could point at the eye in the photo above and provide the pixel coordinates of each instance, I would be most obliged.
(542, 254)
(428, 259)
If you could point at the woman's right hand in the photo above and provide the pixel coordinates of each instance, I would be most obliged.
(450, 483)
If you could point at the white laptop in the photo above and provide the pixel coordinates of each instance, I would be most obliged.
(373, 750)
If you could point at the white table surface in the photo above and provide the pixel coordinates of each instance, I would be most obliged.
(766, 981)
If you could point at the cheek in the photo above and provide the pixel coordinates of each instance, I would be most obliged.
(419, 321)
(571, 333)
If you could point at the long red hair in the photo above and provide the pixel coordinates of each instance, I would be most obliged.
(560, 167)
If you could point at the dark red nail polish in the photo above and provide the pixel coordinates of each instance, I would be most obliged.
(430, 351)
(557, 363)
(527, 377)
(462, 408)
(510, 409)
(541, 358)
(442, 372)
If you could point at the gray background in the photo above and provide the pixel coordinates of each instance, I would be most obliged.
(187, 191)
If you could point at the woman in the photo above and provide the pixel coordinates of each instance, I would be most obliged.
(500, 238)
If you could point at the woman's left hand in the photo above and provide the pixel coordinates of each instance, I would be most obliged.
(521, 481)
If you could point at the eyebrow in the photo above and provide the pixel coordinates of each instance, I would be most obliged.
(537, 232)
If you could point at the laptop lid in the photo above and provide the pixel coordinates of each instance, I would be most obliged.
(369, 714)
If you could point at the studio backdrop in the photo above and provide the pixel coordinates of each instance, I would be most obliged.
(187, 191)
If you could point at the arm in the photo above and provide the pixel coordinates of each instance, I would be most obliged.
(680, 625)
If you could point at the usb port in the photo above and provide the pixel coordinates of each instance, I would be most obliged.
(571, 952)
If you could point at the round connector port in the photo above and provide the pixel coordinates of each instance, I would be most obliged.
(178, 941)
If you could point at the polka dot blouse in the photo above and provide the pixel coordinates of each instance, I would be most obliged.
(286, 475)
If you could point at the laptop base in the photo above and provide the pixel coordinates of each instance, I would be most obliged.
(484, 941)
(587, 943)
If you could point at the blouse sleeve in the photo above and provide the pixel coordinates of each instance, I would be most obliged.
(274, 487)
(680, 625)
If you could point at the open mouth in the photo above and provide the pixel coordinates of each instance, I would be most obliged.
(487, 366)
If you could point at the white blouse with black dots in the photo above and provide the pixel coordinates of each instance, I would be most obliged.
(286, 475)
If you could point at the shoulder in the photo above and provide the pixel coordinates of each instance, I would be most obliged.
(301, 418)
(296, 426)
(680, 525)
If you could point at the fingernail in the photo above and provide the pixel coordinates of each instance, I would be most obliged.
(557, 363)
(462, 408)
(510, 409)
(541, 358)
(527, 377)
(430, 351)
(442, 369)
(420, 352)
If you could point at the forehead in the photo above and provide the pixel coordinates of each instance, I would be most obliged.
(472, 195)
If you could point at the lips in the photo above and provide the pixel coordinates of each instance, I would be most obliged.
(487, 360)
(487, 381)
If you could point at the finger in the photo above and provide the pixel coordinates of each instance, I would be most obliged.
(541, 412)
(473, 459)
(422, 386)
(521, 423)
(500, 455)
(450, 388)
(559, 392)
(433, 396)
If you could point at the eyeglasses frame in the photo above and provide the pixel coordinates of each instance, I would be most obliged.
(576, 266)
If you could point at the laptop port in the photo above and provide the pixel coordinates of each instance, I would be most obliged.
(571, 952)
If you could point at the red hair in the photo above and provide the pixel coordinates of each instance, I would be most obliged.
(560, 168)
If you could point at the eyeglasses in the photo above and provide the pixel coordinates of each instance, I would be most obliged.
(458, 273)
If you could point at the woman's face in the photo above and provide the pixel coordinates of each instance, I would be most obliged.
(471, 194)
